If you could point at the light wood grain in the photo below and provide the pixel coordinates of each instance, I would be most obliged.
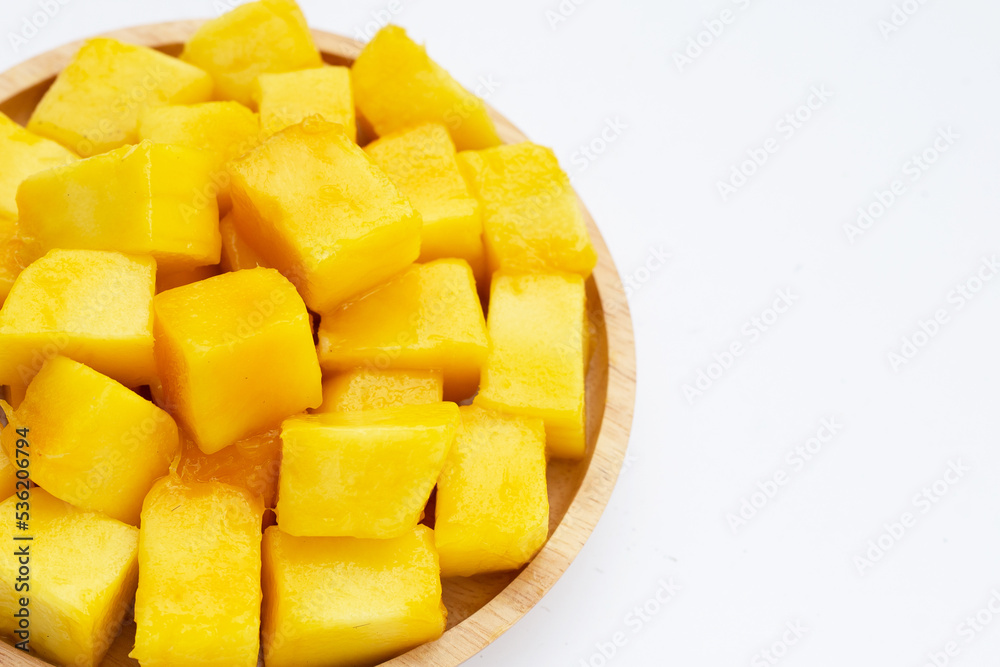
(480, 608)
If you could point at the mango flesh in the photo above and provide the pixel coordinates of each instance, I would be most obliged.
(8, 471)
(23, 153)
(314, 206)
(198, 601)
(532, 221)
(236, 253)
(94, 443)
(88, 305)
(342, 602)
(235, 355)
(492, 509)
(421, 163)
(250, 464)
(364, 389)
(11, 257)
(362, 474)
(169, 280)
(253, 39)
(95, 103)
(397, 86)
(428, 317)
(537, 364)
(289, 98)
(82, 578)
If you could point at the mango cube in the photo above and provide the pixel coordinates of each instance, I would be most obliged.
(315, 207)
(397, 85)
(251, 464)
(83, 572)
(362, 474)
(428, 317)
(236, 253)
(342, 602)
(492, 510)
(23, 153)
(235, 355)
(94, 443)
(95, 103)
(537, 364)
(11, 258)
(252, 39)
(289, 98)
(169, 280)
(198, 601)
(532, 221)
(89, 305)
(364, 389)
(421, 163)
(8, 471)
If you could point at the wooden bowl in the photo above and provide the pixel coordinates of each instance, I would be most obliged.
(480, 608)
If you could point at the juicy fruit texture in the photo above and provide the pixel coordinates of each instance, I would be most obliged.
(235, 355)
(250, 464)
(341, 602)
(198, 601)
(252, 39)
(428, 317)
(83, 576)
(11, 251)
(92, 306)
(492, 504)
(421, 162)
(362, 474)
(157, 206)
(315, 207)
(364, 389)
(397, 85)
(94, 443)
(22, 154)
(537, 364)
(236, 253)
(95, 103)
(532, 221)
(8, 472)
(289, 98)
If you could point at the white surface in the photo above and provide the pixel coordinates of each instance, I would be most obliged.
(827, 356)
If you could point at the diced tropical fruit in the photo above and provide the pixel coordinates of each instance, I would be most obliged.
(428, 317)
(23, 153)
(314, 206)
(492, 509)
(421, 163)
(364, 389)
(14, 394)
(532, 221)
(362, 474)
(251, 464)
(11, 257)
(89, 305)
(169, 280)
(82, 578)
(94, 443)
(199, 595)
(291, 97)
(94, 104)
(161, 204)
(537, 363)
(341, 602)
(252, 39)
(8, 471)
(235, 355)
(397, 85)
(236, 253)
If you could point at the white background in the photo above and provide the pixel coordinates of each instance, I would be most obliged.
(655, 189)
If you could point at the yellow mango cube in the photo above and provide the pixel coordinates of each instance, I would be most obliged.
(89, 305)
(251, 464)
(95, 103)
(8, 471)
(397, 85)
(94, 443)
(235, 355)
(532, 220)
(537, 365)
(492, 511)
(428, 317)
(82, 578)
(199, 595)
(11, 257)
(291, 97)
(344, 602)
(364, 389)
(362, 474)
(314, 206)
(421, 163)
(252, 39)
(23, 153)
(236, 253)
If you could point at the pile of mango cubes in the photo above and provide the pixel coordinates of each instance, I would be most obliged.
(240, 350)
